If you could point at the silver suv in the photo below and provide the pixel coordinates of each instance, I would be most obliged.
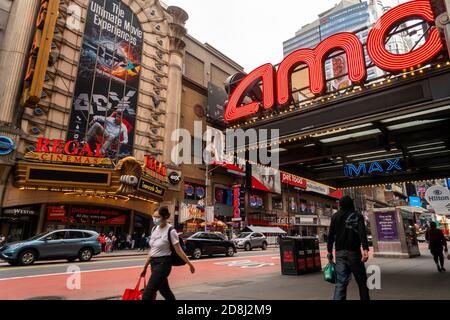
(250, 241)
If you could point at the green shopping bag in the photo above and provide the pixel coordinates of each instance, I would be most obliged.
(330, 273)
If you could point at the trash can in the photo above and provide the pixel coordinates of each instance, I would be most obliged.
(300, 255)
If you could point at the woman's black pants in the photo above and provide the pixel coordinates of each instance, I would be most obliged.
(161, 268)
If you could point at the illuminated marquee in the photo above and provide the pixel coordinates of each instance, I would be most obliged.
(68, 152)
(276, 84)
(372, 168)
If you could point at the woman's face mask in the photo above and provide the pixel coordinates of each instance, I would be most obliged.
(157, 221)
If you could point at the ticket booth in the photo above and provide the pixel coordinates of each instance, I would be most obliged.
(394, 232)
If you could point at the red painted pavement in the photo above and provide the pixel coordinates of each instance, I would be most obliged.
(105, 284)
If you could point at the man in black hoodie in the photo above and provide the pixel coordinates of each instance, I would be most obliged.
(348, 232)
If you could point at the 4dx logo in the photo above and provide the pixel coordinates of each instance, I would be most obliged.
(101, 103)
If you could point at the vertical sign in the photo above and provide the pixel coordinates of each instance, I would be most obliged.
(106, 91)
(237, 202)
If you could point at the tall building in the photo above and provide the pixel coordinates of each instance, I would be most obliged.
(347, 16)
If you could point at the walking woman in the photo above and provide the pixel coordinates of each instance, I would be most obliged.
(160, 256)
(437, 243)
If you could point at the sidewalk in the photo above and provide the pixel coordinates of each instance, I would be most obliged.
(412, 279)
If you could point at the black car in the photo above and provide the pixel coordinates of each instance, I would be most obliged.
(209, 244)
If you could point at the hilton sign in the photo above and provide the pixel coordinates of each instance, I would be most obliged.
(276, 83)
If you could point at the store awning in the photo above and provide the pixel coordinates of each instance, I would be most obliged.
(265, 230)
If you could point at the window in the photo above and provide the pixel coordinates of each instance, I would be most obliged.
(214, 237)
(60, 235)
(258, 235)
(77, 235)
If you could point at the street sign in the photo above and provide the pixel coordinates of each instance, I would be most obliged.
(209, 214)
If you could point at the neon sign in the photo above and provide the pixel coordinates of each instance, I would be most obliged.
(372, 168)
(68, 152)
(276, 84)
(237, 202)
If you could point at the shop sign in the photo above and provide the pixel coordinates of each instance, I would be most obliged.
(276, 84)
(200, 192)
(372, 168)
(68, 152)
(56, 213)
(174, 178)
(438, 197)
(151, 188)
(386, 223)
(190, 212)
(236, 202)
(415, 202)
(101, 216)
(20, 212)
(7, 146)
(307, 220)
(256, 202)
(188, 190)
(293, 180)
(318, 188)
(155, 168)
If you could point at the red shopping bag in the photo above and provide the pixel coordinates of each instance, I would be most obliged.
(136, 293)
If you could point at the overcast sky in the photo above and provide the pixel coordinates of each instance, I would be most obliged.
(251, 32)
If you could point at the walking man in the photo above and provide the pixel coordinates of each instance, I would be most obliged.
(348, 232)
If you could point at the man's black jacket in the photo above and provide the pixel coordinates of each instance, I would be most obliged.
(350, 239)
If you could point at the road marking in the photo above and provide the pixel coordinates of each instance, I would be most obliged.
(67, 264)
(246, 264)
(109, 269)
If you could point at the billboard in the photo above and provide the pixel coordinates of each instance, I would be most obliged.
(107, 86)
(266, 179)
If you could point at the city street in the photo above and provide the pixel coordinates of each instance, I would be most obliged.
(106, 277)
(247, 276)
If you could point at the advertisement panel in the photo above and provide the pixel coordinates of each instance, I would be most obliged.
(387, 226)
(266, 179)
(106, 91)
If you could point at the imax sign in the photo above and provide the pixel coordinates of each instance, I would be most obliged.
(372, 168)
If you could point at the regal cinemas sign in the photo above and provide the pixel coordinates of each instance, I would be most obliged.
(276, 83)
(68, 152)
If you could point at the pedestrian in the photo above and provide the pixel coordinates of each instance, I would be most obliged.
(160, 256)
(142, 242)
(134, 240)
(103, 242)
(113, 242)
(2, 239)
(436, 244)
(348, 232)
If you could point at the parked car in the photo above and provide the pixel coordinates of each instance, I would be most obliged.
(205, 243)
(60, 244)
(250, 241)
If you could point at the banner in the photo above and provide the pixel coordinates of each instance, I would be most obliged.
(107, 87)
(266, 179)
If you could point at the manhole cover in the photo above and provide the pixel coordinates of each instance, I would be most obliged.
(47, 298)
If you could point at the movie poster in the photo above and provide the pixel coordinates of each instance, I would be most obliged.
(106, 91)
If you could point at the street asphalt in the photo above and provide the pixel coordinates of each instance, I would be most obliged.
(254, 275)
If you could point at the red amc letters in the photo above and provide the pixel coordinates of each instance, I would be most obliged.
(276, 84)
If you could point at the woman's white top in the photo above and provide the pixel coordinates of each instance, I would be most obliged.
(159, 241)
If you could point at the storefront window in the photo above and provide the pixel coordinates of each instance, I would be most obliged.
(277, 203)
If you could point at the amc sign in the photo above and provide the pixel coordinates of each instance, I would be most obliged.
(276, 83)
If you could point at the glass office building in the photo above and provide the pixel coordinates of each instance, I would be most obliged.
(347, 16)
